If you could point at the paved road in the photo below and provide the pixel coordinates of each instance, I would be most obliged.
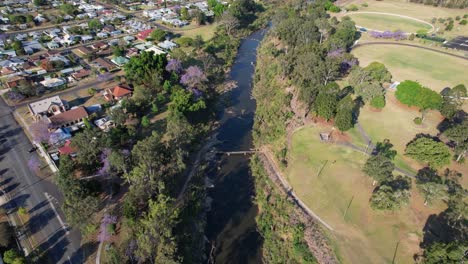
(25, 189)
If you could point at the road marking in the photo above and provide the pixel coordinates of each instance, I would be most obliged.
(48, 197)
(69, 260)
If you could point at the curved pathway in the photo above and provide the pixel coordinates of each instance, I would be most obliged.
(407, 45)
(391, 14)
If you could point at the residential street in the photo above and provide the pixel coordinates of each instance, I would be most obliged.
(22, 188)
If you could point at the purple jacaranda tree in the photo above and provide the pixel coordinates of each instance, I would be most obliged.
(104, 77)
(336, 53)
(14, 96)
(174, 65)
(397, 35)
(40, 131)
(105, 162)
(193, 77)
(103, 232)
(34, 163)
(346, 65)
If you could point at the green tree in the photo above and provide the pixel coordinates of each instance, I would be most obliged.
(155, 239)
(68, 9)
(39, 2)
(94, 24)
(378, 102)
(158, 35)
(447, 253)
(379, 168)
(145, 121)
(423, 149)
(184, 14)
(344, 115)
(183, 101)
(452, 100)
(13, 257)
(384, 148)
(413, 94)
(87, 144)
(325, 105)
(391, 195)
(432, 191)
(143, 69)
(459, 135)
(378, 72)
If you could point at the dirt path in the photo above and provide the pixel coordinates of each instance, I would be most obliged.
(407, 45)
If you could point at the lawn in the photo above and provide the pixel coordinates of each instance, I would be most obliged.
(403, 7)
(206, 31)
(431, 69)
(388, 22)
(364, 236)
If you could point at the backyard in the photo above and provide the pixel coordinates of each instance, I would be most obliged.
(364, 235)
(431, 69)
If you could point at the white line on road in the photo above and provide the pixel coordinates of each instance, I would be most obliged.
(69, 260)
(56, 213)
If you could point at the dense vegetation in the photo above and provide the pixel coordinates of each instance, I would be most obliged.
(136, 170)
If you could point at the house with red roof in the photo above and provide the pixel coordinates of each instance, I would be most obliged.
(67, 149)
(144, 34)
(117, 93)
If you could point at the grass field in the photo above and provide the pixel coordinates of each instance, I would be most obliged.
(431, 69)
(364, 236)
(388, 22)
(206, 31)
(419, 11)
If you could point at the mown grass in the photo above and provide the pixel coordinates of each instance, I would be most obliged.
(364, 235)
(388, 22)
(431, 69)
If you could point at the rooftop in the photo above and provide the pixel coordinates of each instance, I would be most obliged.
(43, 105)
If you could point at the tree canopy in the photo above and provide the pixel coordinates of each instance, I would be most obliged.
(412, 93)
(424, 149)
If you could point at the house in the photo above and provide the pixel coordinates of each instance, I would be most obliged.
(99, 45)
(81, 74)
(6, 71)
(53, 45)
(59, 136)
(155, 50)
(167, 44)
(142, 35)
(82, 51)
(104, 64)
(49, 106)
(120, 61)
(129, 38)
(67, 149)
(117, 93)
(104, 123)
(53, 82)
(14, 81)
(131, 52)
(68, 118)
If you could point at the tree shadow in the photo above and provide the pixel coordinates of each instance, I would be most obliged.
(38, 206)
(79, 101)
(53, 248)
(7, 180)
(18, 201)
(438, 229)
(40, 220)
(11, 187)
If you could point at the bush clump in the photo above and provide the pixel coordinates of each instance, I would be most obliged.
(378, 102)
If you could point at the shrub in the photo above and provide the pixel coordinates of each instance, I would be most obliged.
(111, 228)
(184, 41)
(145, 121)
(463, 22)
(378, 102)
(352, 8)
(411, 37)
(365, 5)
(334, 9)
(417, 120)
(22, 211)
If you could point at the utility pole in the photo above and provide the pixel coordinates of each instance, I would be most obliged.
(323, 166)
(349, 205)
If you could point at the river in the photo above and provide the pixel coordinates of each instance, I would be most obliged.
(231, 226)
